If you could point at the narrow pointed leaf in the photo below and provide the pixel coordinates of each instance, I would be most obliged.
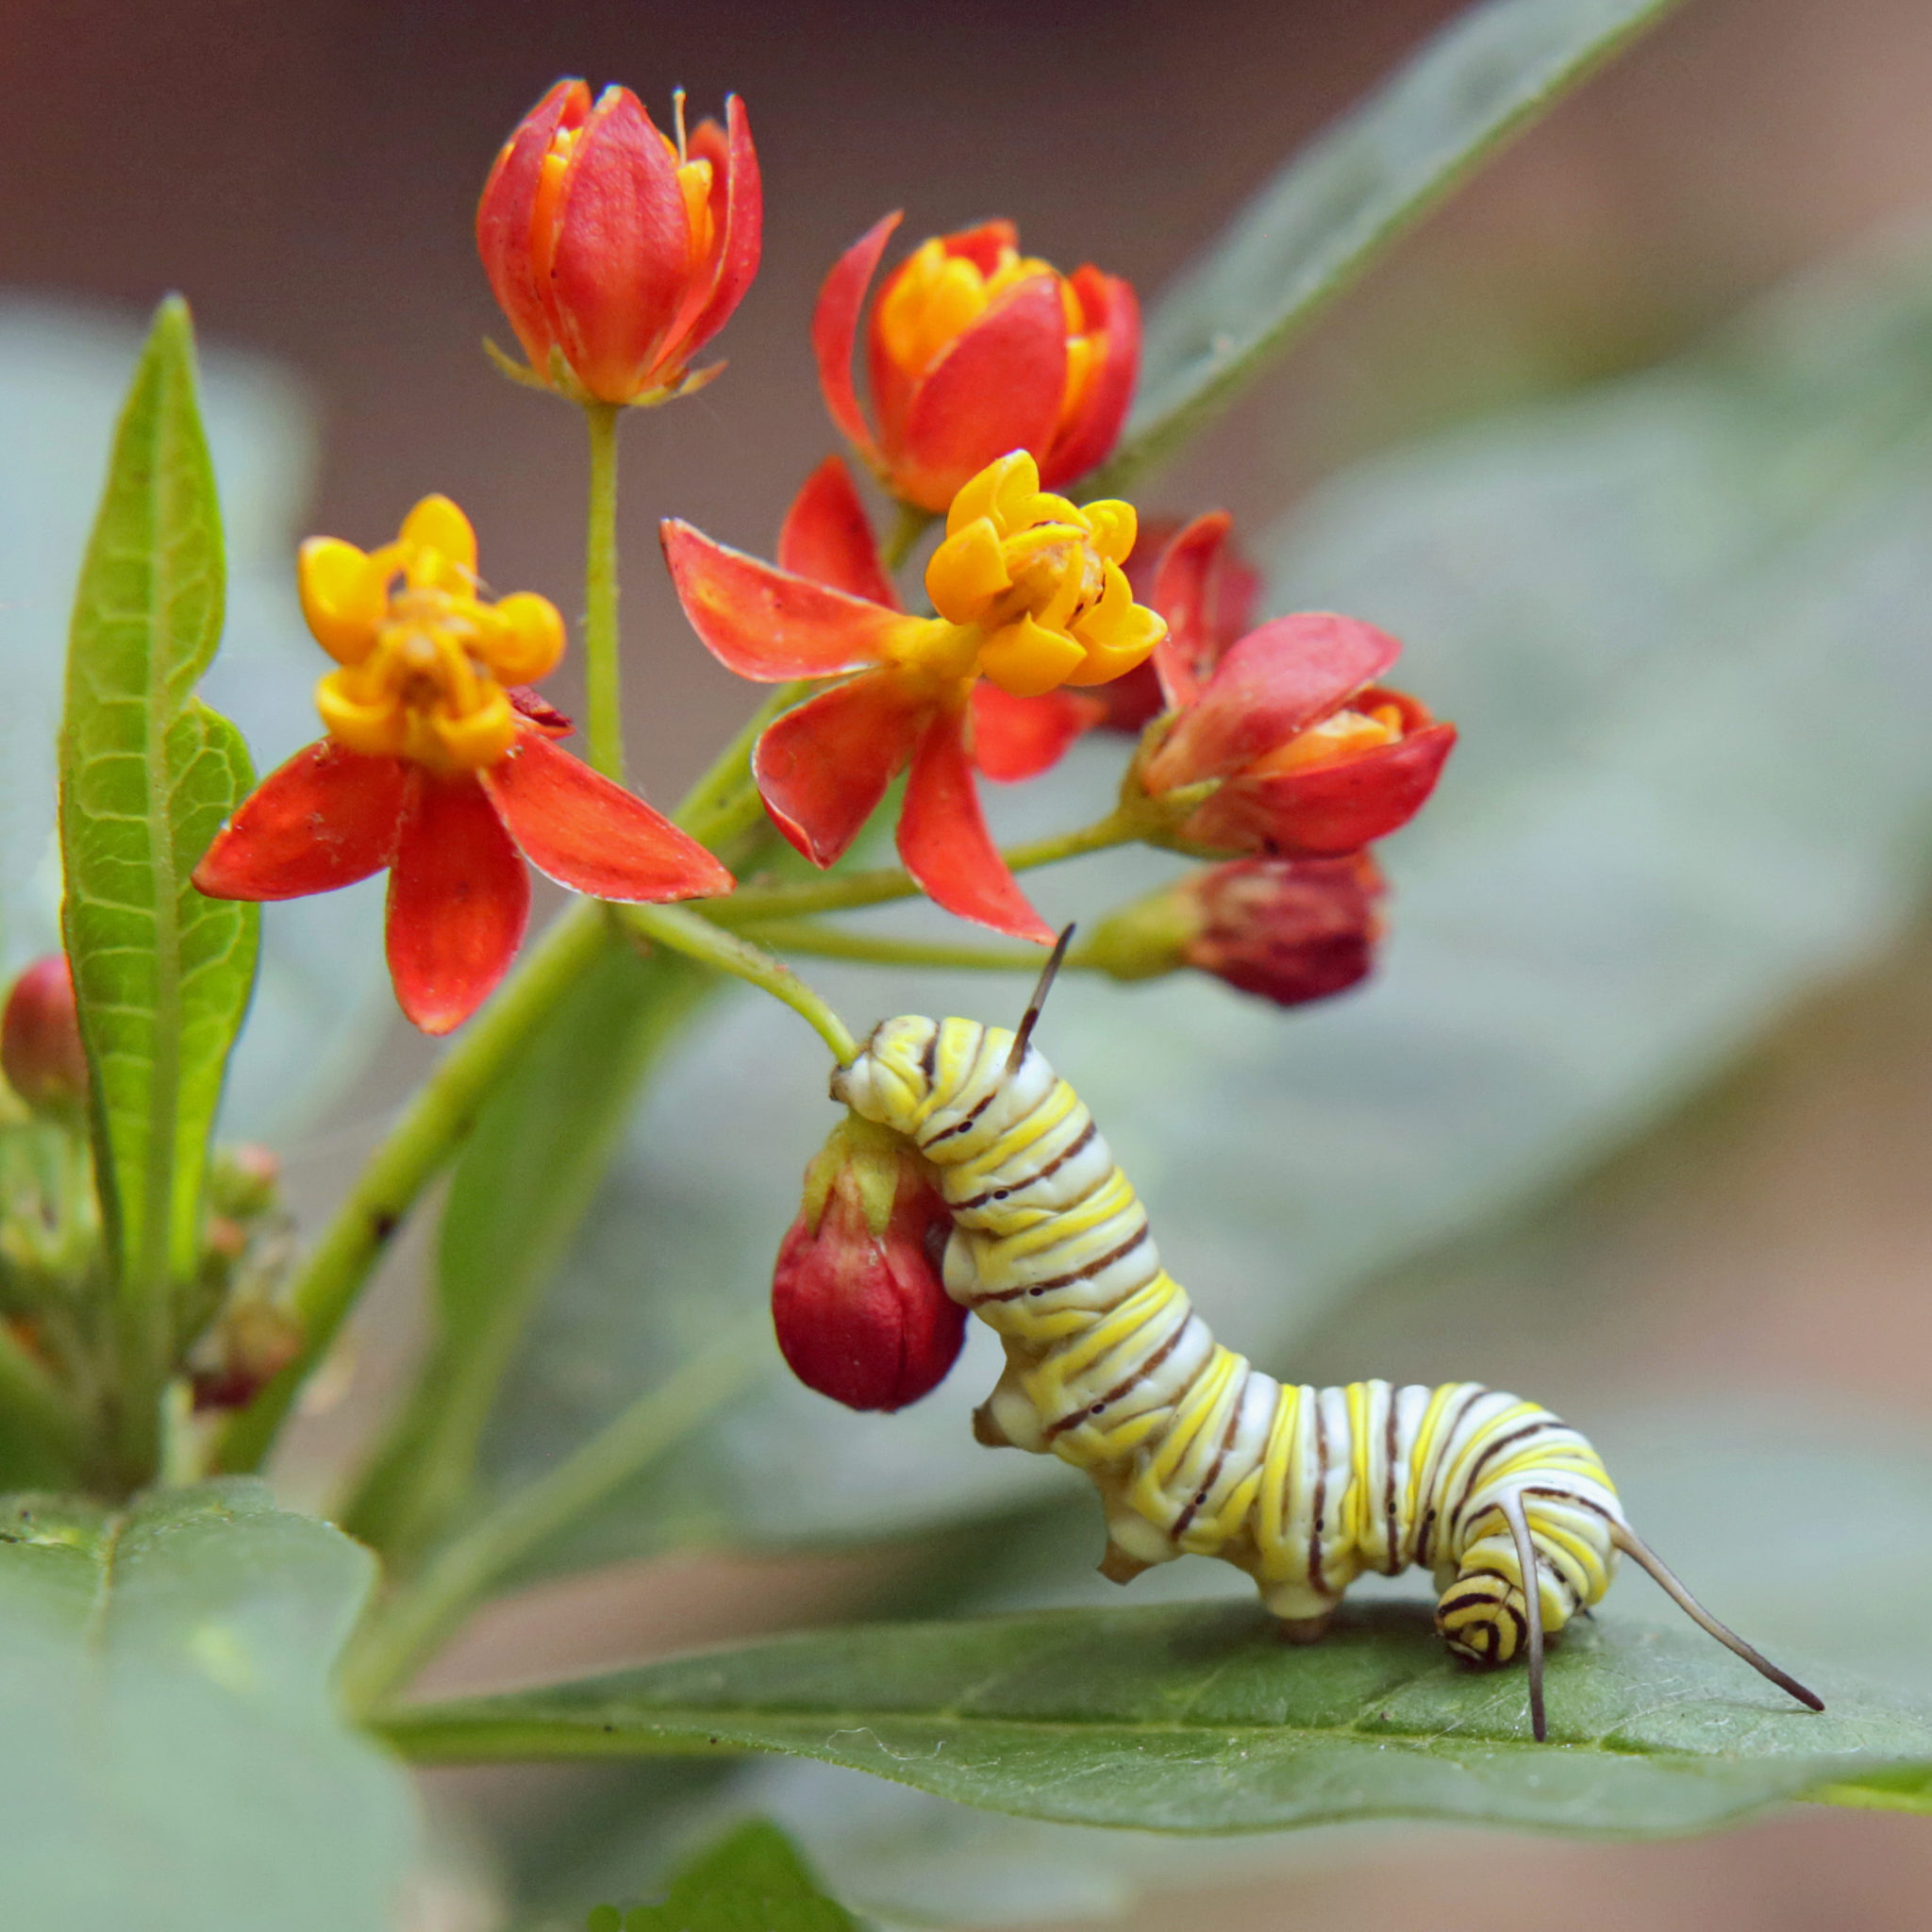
(1356, 189)
(147, 774)
(1198, 1718)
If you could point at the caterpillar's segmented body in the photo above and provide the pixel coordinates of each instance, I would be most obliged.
(1193, 1450)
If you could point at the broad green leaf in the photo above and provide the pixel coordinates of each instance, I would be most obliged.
(525, 1176)
(148, 774)
(1198, 1718)
(1358, 188)
(1606, 902)
(755, 1881)
(171, 1759)
(63, 366)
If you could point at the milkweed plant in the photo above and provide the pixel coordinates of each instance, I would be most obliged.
(982, 573)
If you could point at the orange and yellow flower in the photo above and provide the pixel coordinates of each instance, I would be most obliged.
(440, 766)
(616, 253)
(973, 350)
(1030, 594)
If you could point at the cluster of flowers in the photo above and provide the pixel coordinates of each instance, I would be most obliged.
(993, 382)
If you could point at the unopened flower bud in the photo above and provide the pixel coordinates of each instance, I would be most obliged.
(40, 1039)
(245, 1181)
(857, 1297)
(254, 1341)
(1291, 930)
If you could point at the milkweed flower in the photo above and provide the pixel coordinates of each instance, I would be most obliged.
(439, 766)
(858, 1300)
(1315, 758)
(1290, 930)
(1029, 593)
(616, 253)
(828, 537)
(973, 350)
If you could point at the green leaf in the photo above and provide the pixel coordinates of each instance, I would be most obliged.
(755, 1881)
(171, 1759)
(147, 774)
(63, 366)
(1198, 1718)
(1360, 186)
(525, 1176)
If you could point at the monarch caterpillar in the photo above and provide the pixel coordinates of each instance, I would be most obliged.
(1193, 1450)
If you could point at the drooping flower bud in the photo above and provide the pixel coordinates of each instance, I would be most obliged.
(857, 1297)
(39, 1040)
(1291, 930)
(617, 253)
(972, 350)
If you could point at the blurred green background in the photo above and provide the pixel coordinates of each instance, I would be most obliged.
(1632, 443)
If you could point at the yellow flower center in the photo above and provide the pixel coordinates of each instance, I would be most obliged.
(1029, 589)
(936, 297)
(423, 660)
(1343, 735)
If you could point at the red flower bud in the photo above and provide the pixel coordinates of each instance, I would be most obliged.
(1316, 758)
(40, 1039)
(615, 253)
(861, 1313)
(972, 350)
(1291, 930)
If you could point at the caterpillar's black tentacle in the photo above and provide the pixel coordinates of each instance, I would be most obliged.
(1632, 1544)
(1533, 1604)
(1193, 1450)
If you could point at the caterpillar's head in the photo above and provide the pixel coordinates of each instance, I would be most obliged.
(891, 1079)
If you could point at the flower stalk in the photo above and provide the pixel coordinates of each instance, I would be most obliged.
(603, 670)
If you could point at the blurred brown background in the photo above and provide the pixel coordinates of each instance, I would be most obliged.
(306, 173)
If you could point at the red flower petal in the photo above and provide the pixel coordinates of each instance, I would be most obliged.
(1275, 682)
(766, 623)
(621, 265)
(1020, 737)
(530, 703)
(503, 215)
(828, 537)
(1324, 810)
(459, 899)
(998, 388)
(945, 845)
(835, 329)
(1109, 305)
(324, 819)
(1182, 589)
(822, 769)
(740, 232)
(581, 831)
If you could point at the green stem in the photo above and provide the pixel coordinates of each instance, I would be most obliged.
(912, 525)
(693, 935)
(603, 674)
(412, 1155)
(875, 949)
(761, 905)
(407, 1631)
(723, 802)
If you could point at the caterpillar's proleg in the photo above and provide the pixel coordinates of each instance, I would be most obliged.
(1193, 1450)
